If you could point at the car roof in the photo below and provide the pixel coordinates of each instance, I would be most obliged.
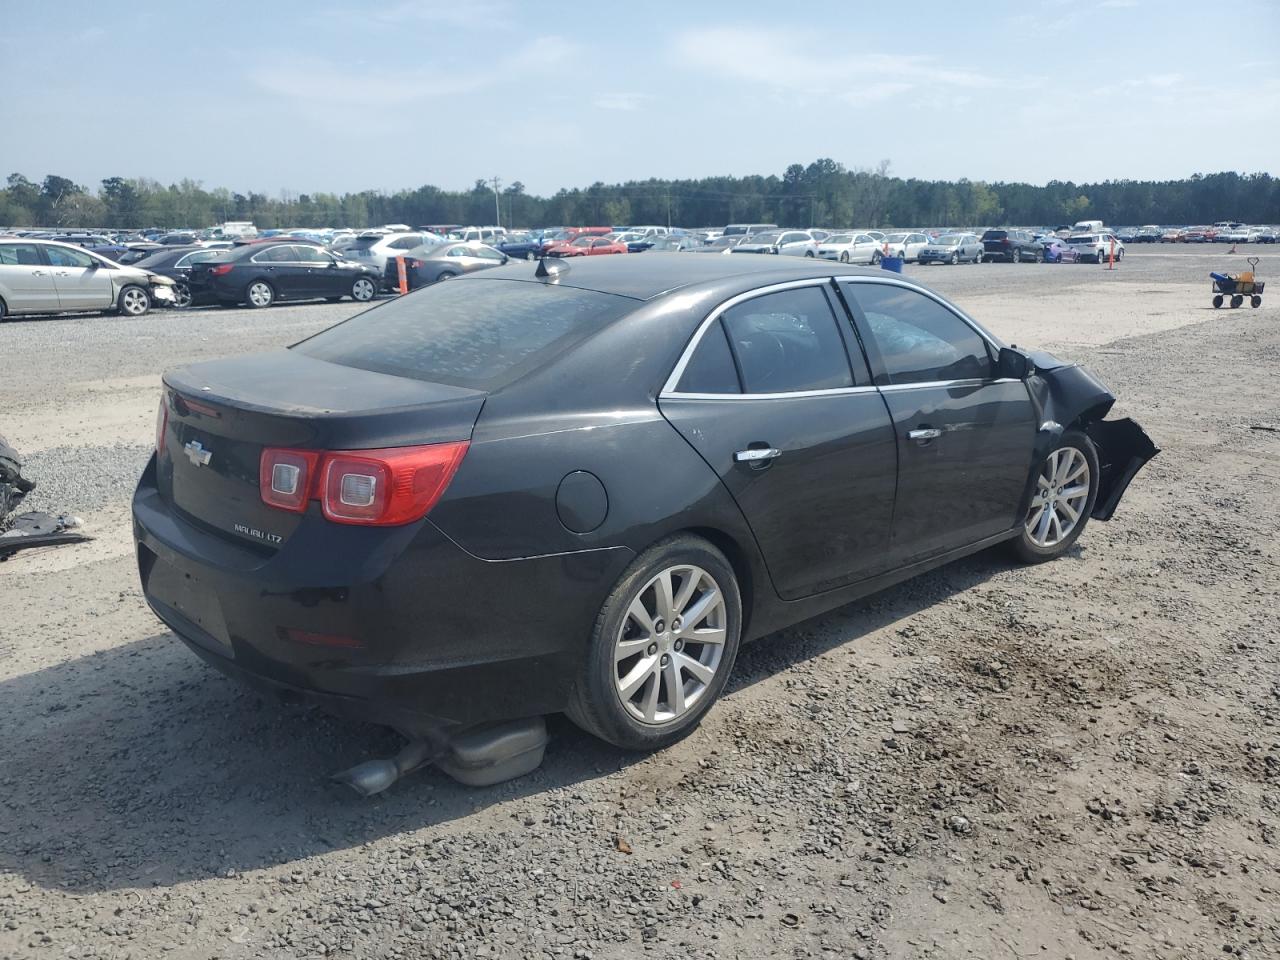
(650, 275)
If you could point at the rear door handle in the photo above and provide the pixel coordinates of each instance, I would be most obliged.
(757, 454)
(924, 433)
(37, 273)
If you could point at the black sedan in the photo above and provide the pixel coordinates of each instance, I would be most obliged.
(579, 486)
(175, 263)
(259, 274)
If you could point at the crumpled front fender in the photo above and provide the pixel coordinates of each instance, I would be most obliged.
(1067, 395)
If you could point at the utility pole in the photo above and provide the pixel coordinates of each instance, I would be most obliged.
(497, 206)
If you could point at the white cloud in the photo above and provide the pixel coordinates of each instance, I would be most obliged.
(800, 64)
(620, 101)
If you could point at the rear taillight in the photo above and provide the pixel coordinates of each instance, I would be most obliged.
(385, 488)
(162, 423)
(414, 264)
(1005, 241)
(285, 478)
(221, 269)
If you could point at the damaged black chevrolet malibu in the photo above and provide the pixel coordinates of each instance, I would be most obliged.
(579, 488)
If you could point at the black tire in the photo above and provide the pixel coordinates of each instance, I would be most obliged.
(182, 295)
(876, 257)
(1030, 552)
(808, 253)
(1016, 256)
(955, 259)
(4, 311)
(445, 275)
(1037, 257)
(1254, 301)
(259, 294)
(364, 290)
(1236, 301)
(595, 704)
(844, 256)
(1119, 255)
(1217, 301)
(133, 301)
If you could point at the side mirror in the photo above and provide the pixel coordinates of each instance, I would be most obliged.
(1014, 365)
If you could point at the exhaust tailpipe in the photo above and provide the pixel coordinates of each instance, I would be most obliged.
(374, 776)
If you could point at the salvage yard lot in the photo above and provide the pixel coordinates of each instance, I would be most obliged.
(1080, 758)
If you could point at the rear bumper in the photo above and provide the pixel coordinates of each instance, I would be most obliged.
(400, 627)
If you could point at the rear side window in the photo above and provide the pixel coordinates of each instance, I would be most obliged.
(710, 369)
(919, 339)
(480, 334)
(787, 342)
(19, 254)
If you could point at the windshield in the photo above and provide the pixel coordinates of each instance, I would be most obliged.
(734, 231)
(480, 334)
(583, 241)
(896, 237)
(770, 237)
(724, 242)
(951, 240)
(839, 238)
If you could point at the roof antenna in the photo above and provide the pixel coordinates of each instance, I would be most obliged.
(550, 270)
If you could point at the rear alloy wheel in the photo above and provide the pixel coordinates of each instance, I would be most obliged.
(876, 257)
(446, 275)
(259, 294)
(181, 295)
(363, 290)
(133, 301)
(662, 647)
(844, 256)
(530, 256)
(955, 259)
(1066, 486)
(1017, 255)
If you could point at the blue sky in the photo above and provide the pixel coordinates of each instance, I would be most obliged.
(309, 96)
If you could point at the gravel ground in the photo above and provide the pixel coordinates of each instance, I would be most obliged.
(1080, 759)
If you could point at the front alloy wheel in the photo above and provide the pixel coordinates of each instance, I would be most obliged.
(662, 647)
(1066, 486)
(134, 301)
(181, 295)
(363, 290)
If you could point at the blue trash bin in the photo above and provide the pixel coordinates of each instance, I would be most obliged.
(891, 263)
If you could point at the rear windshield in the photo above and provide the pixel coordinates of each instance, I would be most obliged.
(1080, 239)
(995, 234)
(480, 334)
(364, 243)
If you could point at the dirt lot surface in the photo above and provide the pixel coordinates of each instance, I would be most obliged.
(1080, 759)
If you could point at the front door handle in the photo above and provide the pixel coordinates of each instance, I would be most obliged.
(924, 433)
(37, 273)
(757, 454)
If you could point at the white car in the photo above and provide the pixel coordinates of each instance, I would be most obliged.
(43, 276)
(1096, 246)
(376, 249)
(850, 248)
(789, 243)
(1238, 235)
(904, 245)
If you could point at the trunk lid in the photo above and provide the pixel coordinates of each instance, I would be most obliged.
(222, 414)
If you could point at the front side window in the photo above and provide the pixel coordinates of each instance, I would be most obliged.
(64, 257)
(786, 342)
(920, 340)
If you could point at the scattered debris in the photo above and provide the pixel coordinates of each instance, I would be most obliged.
(27, 530)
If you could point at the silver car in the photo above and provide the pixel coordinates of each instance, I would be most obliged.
(952, 248)
(43, 276)
(789, 243)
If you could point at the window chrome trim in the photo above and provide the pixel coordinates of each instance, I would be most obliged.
(832, 392)
(972, 382)
(669, 388)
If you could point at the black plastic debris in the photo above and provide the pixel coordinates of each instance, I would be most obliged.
(33, 529)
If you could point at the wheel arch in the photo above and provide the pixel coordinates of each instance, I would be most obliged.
(739, 560)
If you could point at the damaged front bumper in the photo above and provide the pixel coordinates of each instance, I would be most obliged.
(1069, 396)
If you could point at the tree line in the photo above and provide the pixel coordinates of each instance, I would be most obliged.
(823, 193)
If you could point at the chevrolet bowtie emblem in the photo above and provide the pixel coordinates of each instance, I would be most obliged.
(197, 454)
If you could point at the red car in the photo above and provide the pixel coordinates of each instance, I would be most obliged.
(586, 247)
